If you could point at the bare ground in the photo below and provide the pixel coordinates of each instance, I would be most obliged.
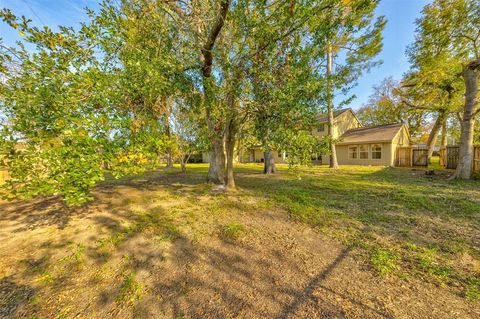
(153, 248)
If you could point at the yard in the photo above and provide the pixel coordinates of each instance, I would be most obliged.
(362, 242)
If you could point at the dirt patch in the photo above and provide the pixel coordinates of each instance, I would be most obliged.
(152, 249)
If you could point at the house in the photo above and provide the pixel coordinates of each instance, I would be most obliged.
(356, 145)
(375, 145)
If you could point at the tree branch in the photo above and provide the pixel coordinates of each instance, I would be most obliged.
(212, 37)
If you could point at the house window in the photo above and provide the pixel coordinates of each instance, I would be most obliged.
(363, 151)
(352, 152)
(321, 128)
(376, 151)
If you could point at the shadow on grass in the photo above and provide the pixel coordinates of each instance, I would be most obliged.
(182, 278)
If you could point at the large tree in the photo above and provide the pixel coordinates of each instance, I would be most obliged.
(389, 104)
(351, 42)
(449, 30)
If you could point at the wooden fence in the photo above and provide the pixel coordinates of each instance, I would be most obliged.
(403, 156)
(452, 156)
(407, 156)
(476, 159)
(420, 156)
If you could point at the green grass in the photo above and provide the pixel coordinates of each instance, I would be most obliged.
(233, 231)
(399, 221)
(130, 291)
(424, 220)
(384, 262)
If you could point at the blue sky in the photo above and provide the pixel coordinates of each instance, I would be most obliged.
(398, 34)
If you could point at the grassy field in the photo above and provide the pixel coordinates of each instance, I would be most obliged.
(360, 242)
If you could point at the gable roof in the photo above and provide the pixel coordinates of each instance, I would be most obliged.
(372, 134)
(324, 117)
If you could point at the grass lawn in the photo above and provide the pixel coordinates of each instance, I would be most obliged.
(361, 242)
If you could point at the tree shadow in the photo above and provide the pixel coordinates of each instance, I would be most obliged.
(39, 212)
(13, 297)
(307, 295)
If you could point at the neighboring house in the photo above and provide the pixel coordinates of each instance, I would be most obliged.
(356, 145)
(343, 120)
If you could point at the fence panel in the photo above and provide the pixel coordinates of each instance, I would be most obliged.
(420, 157)
(476, 159)
(452, 156)
(404, 156)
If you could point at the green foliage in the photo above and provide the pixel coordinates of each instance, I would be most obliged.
(354, 36)
(127, 88)
(386, 106)
(301, 146)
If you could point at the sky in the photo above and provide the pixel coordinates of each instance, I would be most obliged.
(398, 33)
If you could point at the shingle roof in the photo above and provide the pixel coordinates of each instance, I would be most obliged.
(379, 133)
(324, 117)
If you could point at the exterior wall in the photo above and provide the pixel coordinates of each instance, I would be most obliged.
(401, 139)
(257, 156)
(341, 124)
(344, 122)
(205, 157)
(386, 160)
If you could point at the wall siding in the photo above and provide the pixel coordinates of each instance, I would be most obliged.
(342, 123)
(386, 160)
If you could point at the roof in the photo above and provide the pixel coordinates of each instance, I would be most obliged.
(379, 133)
(324, 117)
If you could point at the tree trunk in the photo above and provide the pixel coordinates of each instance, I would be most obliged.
(216, 168)
(169, 159)
(230, 144)
(333, 152)
(432, 138)
(183, 166)
(168, 131)
(269, 163)
(443, 143)
(470, 76)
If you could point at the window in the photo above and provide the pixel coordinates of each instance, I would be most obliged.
(363, 152)
(352, 152)
(321, 128)
(376, 151)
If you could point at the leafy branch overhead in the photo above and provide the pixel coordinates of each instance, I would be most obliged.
(142, 83)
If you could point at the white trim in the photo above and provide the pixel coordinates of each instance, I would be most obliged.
(367, 151)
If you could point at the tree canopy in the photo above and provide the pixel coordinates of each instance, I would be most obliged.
(148, 81)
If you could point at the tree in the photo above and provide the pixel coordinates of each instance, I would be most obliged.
(386, 105)
(187, 130)
(450, 29)
(432, 88)
(100, 99)
(85, 100)
(351, 42)
(286, 88)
